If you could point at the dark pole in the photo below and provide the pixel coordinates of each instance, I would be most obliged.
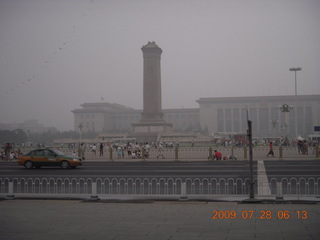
(295, 69)
(250, 159)
(295, 82)
(251, 199)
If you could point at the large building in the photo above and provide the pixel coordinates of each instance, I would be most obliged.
(229, 115)
(116, 118)
(215, 115)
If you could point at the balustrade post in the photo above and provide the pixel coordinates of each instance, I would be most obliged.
(176, 153)
(280, 152)
(183, 196)
(94, 196)
(245, 153)
(110, 153)
(279, 191)
(10, 195)
(210, 153)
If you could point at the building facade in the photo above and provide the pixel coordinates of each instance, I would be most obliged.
(116, 118)
(229, 115)
(215, 115)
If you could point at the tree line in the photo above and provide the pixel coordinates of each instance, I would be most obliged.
(19, 136)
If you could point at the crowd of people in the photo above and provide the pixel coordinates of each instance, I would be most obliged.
(137, 150)
(9, 152)
(132, 150)
(303, 147)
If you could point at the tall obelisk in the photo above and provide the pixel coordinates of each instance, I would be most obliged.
(152, 122)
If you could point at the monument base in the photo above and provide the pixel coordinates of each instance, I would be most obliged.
(149, 132)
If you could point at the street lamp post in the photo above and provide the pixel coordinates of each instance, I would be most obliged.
(295, 70)
(285, 109)
(274, 124)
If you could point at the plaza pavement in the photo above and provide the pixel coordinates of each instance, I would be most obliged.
(155, 220)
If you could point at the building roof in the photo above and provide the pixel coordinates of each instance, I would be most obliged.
(118, 108)
(106, 106)
(102, 107)
(259, 99)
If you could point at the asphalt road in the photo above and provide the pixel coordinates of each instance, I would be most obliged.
(293, 168)
(150, 169)
(230, 169)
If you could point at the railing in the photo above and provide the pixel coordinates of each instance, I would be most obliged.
(296, 186)
(150, 187)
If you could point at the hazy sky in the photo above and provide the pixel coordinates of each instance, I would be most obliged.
(56, 55)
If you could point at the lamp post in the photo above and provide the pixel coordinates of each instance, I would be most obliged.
(295, 70)
(285, 109)
(80, 149)
(274, 123)
(80, 131)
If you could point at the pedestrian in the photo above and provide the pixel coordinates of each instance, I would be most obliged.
(147, 150)
(12, 156)
(122, 152)
(129, 149)
(160, 150)
(101, 149)
(305, 147)
(119, 152)
(82, 151)
(270, 150)
(94, 150)
(217, 155)
(300, 147)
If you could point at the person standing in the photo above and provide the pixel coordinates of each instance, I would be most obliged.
(160, 150)
(94, 150)
(101, 149)
(147, 150)
(129, 149)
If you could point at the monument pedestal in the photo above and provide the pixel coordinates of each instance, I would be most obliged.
(149, 131)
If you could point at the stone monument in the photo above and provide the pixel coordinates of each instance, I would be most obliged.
(152, 123)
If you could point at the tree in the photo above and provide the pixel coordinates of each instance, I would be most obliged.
(17, 136)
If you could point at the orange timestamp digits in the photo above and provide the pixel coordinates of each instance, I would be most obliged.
(263, 214)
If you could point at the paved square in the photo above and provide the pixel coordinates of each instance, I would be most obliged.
(54, 219)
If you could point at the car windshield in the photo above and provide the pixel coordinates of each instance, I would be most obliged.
(57, 152)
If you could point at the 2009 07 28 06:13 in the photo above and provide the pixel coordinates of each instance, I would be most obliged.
(263, 214)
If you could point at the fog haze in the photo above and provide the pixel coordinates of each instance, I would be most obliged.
(56, 55)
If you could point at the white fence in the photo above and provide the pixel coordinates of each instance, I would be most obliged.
(150, 187)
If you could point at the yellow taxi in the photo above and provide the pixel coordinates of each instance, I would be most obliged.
(48, 157)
